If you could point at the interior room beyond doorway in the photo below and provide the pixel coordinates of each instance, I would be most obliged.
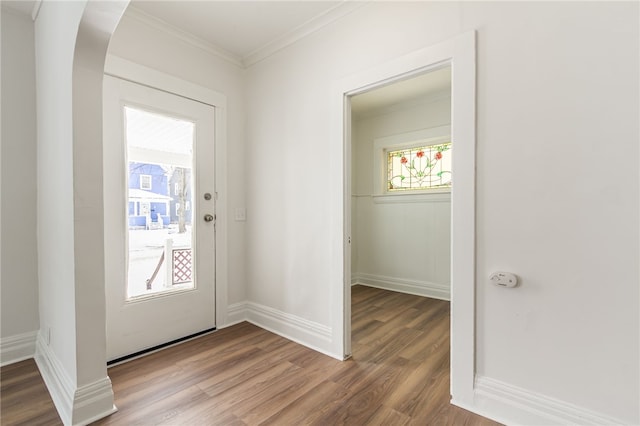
(401, 181)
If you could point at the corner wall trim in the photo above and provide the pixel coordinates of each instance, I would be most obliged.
(18, 347)
(418, 288)
(300, 330)
(515, 405)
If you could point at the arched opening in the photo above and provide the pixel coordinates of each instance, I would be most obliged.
(99, 21)
(71, 40)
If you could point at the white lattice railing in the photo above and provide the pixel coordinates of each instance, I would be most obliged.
(181, 267)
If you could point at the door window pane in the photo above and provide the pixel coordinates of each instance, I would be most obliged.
(160, 158)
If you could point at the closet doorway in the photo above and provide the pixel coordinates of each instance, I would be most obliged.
(401, 181)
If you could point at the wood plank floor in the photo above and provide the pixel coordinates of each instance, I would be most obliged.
(243, 375)
(24, 399)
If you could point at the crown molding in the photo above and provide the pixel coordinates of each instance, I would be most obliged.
(19, 9)
(36, 10)
(162, 25)
(307, 28)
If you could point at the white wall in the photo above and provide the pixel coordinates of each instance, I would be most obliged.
(551, 112)
(147, 45)
(70, 45)
(19, 272)
(405, 244)
(557, 84)
(55, 177)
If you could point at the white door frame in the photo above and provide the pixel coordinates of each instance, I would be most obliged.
(460, 53)
(127, 70)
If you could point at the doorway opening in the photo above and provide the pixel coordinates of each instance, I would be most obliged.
(401, 181)
(459, 53)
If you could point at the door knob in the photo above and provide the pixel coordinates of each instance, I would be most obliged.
(208, 218)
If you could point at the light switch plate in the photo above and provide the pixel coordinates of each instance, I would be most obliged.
(241, 214)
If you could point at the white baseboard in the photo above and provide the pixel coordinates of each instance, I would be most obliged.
(236, 313)
(75, 406)
(17, 348)
(93, 402)
(58, 382)
(308, 333)
(516, 406)
(419, 288)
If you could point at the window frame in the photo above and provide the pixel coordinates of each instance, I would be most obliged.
(145, 176)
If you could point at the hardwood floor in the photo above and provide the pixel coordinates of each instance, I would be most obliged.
(243, 375)
(24, 399)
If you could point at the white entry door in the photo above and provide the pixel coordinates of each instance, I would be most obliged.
(159, 217)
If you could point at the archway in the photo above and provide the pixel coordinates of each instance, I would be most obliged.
(71, 45)
(97, 25)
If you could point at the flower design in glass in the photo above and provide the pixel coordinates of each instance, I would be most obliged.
(419, 168)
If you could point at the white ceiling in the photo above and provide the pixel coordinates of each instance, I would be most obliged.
(420, 88)
(240, 28)
(246, 31)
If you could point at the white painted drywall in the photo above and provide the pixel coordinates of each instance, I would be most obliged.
(557, 100)
(555, 104)
(70, 44)
(399, 242)
(146, 45)
(19, 272)
(55, 36)
(288, 107)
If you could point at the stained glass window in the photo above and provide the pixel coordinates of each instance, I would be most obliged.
(419, 168)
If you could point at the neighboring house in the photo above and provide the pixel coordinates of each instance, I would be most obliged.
(177, 187)
(158, 193)
(149, 200)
